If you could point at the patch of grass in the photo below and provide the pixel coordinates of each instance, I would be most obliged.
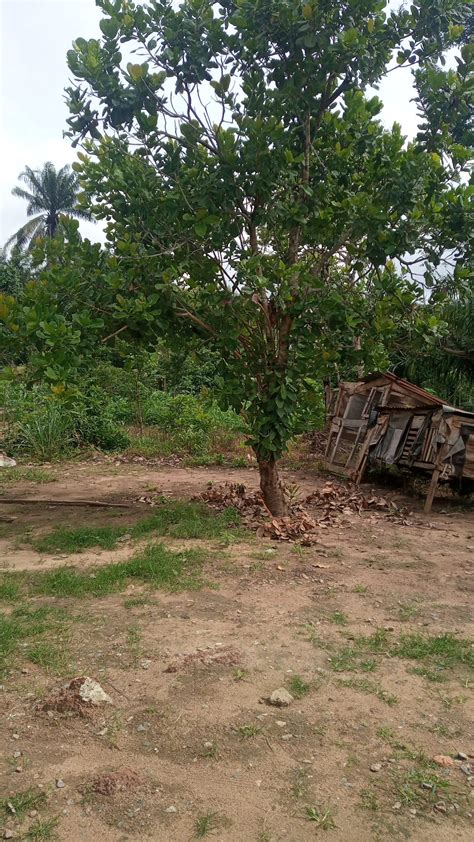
(138, 602)
(211, 751)
(348, 660)
(9, 589)
(407, 610)
(178, 519)
(24, 623)
(360, 589)
(24, 474)
(155, 564)
(249, 731)
(20, 804)
(41, 831)
(370, 687)
(298, 687)
(48, 656)
(418, 787)
(338, 618)
(430, 675)
(322, 816)
(206, 824)
(369, 800)
(441, 651)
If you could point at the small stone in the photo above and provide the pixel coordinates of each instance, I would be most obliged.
(280, 723)
(33, 813)
(15, 736)
(461, 756)
(412, 811)
(17, 754)
(25, 671)
(376, 767)
(171, 809)
(443, 760)
(141, 728)
(427, 785)
(281, 698)
(440, 807)
(464, 767)
(9, 834)
(60, 783)
(397, 805)
(19, 769)
(208, 744)
(145, 664)
(287, 736)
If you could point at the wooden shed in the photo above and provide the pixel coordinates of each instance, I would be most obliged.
(385, 419)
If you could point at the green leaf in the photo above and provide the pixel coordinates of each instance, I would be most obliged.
(109, 27)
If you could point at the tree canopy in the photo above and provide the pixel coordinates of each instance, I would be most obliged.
(50, 193)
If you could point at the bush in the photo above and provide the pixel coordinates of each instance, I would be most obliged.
(36, 424)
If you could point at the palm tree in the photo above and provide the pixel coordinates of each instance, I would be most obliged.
(50, 193)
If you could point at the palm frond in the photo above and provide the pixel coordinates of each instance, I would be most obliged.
(28, 232)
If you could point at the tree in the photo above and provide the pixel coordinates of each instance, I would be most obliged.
(253, 198)
(50, 193)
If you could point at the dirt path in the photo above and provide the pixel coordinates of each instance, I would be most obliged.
(342, 624)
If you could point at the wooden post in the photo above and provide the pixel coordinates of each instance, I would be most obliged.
(432, 490)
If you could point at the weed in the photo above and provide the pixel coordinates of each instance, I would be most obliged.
(137, 602)
(352, 760)
(299, 788)
(134, 643)
(240, 674)
(348, 660)
(298, 550)
(113, 729)
(421, 786)
(298, 687)
(369, 800)
(338, 618)
(21, 803)
(43, 830)
(206, 824)
(366, 686)
(430, 675)
(360, 589)
(211, 751)
(322, 816)
(407, 610)
(249, 731)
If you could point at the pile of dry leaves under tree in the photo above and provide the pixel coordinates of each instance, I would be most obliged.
(330, 506)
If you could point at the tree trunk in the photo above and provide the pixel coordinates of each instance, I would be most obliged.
(272, 488)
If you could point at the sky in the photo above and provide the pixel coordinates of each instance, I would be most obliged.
(34, 38)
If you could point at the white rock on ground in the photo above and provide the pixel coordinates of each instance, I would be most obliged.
(91, 691)
(281, 698)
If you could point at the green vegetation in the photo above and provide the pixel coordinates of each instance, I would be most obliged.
(41, 830)
(43, 626)
(338, 618)
(298, 687)
(249, 731)
(206, 824)
(177, 519)
(441, 652)
(23, 802)
(155, 564)
(20, 474)
(322, 816)
(370, 687)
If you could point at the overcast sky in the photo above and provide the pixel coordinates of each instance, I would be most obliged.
(34, 38)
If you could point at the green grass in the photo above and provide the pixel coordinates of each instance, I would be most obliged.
(177, 519)
(364, 685)
(298, 687)
(421, 787)
(22, 625)
(323, 817)
(22, 803)
(41, 831)
(249, 731)
(155, 564)
(10, 476)
(9, 589)
(442, 651)
(206, 824)
(49, 656)
(338, 618)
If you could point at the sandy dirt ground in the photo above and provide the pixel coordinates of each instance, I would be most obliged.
(196, 751)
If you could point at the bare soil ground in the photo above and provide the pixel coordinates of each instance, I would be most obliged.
(196, 751)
